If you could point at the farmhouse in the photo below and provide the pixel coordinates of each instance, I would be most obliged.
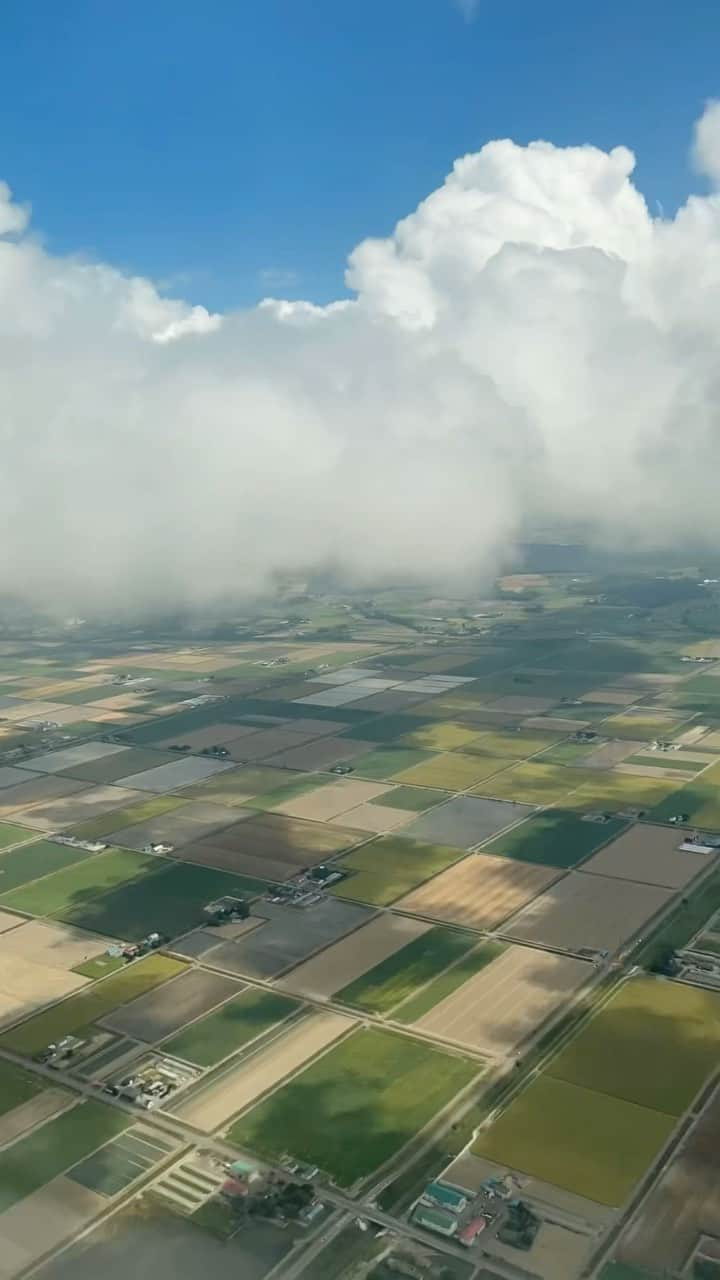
(444, 1197)
(439, 1220)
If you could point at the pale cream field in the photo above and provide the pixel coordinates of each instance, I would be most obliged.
(235, 1091)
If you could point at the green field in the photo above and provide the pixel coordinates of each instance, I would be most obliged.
(534, 783)
(242, 1019)
(127, 895)
(555, 838)
(415, 799)
(399, 977)
(385, 869)
(649, 1021)
(168, 899)
(237, 786)
(642, 724)
(689, 915)
(289, 791)
(19, 866)
(52, 1148)
(699, 799)
(11, 834)
(17, 1086)
(620, 790)
(453, 771)
(667, 760)
(439, 735)
(99, 966)
(94, 1002)
(444, 985)
(59, 893)
(380, 728)
(591, 1144)
(514, 746)
(388, 761)
(357, 1105)
(96, 828)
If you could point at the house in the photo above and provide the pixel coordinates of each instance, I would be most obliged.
(438, 1220)
(470, 1233)
(436, 1193)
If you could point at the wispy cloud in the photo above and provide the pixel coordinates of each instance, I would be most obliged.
(278, 277)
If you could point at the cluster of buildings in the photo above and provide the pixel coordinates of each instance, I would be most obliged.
(443, 1209)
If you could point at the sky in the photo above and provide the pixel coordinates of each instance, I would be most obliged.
(233, 150)
(295, 286)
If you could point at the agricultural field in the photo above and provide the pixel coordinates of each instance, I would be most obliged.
(453, 771)
(681, 1208)
(128, 894)
(591, 1143)
(479, 892)
(602, 1111)
(647, 1021)
(49, 1150)
(357, 1105)
(213, 1105)
(581, 911)
(466, 821)
(399, 976)
(507, 1000)
(240, 1021)
(165, 1010)
(436, 758)
(280, 937)
(348, 960)
(649, 854)
(386, 868)
(80, 1011)
(699, 799)
(555, 838)
(32, 861)
(269, 846)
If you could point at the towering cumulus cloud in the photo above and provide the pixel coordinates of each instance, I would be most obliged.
(529, 344)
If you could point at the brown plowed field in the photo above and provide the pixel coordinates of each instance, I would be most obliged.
(480, 891)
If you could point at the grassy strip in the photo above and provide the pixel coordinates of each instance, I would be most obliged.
(399, 976)
(242, 1019)
(678, 928)
(444, 985)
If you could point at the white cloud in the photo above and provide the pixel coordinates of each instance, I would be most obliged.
(707, 142)
(529, 343)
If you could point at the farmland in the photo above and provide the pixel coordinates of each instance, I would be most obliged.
(82, 1010)
(388, 867)
(56, 1145)
(555, 838)
(451, 830)
(355, 1107)
(399, 976)
(478, 892)
(236, 1023)
(592, 1144)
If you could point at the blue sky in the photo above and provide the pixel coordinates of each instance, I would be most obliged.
(208, 144)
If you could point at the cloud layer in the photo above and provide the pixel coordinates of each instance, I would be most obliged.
(529, 344)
